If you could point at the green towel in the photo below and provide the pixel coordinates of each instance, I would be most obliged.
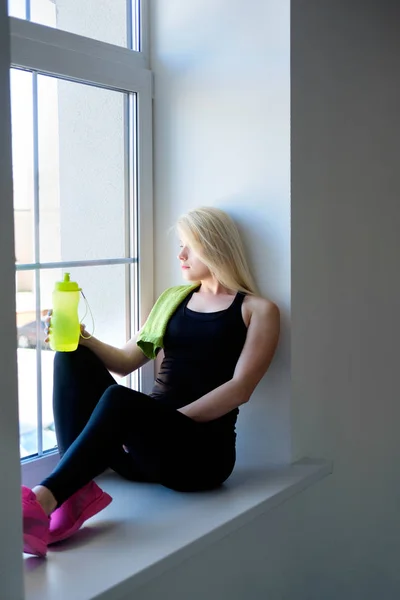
(151, 338)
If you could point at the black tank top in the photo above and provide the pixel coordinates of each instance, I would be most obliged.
(200, 353)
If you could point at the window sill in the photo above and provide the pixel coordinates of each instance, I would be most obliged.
(149, 529)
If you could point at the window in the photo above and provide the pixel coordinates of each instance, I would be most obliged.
(81, 150)
(115, 22)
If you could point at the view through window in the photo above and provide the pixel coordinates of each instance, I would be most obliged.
(112, 21)
(74, 152)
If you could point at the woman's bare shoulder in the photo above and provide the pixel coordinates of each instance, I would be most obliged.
(262, 307)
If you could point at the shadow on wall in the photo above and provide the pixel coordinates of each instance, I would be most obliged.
(263, 241)
(264, 224)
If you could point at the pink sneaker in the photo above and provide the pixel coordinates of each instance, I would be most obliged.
(71, 515)
(35, 524)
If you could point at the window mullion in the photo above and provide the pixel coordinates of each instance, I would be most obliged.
(134, 233)
(127, 213)
(137, 25)
(129, 24)
(64, 264)
(66, 55)
(143, 29)
(36, 220)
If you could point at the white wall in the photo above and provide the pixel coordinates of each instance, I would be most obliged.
(341, 538)
(345, 284)
(10, 505)
(221, 123)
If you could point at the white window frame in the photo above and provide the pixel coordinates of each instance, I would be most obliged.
(66, 55)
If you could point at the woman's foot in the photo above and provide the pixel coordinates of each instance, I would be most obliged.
(85, 503)
(35, 524)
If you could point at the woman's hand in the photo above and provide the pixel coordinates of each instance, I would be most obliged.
(47, 329)
(47, 326)
(84, 334)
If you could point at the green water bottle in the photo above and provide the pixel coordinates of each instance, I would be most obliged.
(65, 327)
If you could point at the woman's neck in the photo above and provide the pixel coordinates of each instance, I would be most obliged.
(212, 287)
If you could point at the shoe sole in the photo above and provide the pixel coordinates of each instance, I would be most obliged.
(34, 545)
(92, 509)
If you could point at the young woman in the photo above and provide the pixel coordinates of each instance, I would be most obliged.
(218, 339)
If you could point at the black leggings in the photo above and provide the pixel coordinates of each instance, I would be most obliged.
(94, 417)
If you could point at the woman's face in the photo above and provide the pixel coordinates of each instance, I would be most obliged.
(193, 269)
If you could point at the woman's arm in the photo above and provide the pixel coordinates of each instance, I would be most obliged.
(255, 358)
(121, 361)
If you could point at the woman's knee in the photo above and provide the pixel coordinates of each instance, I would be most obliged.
(122, 400)
(114, 406)
(113, 397)
(80, 358)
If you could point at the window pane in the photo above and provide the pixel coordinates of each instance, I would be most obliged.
(27, 374)
(49, 440)
(104, 20)
(71, 177)
(17, 8)
(104, 288)
(27, 401)
(23, 181)
(81, 171)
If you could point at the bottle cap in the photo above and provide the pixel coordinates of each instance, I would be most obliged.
(67, 285)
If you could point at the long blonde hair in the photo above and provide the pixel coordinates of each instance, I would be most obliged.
(214, 236)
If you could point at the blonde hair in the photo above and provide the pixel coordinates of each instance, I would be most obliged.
(213, 235)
